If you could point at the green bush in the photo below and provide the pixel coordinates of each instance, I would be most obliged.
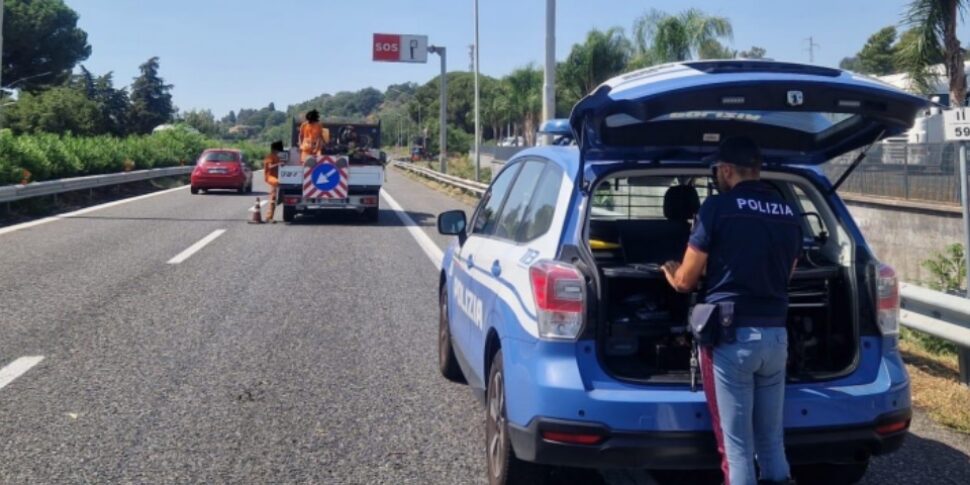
(48, 156)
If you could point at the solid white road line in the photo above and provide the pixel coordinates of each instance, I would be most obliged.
(38, 222)
(431, 249)
(196, 247)
(17, 368)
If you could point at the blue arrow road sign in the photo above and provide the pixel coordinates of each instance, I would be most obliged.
(325, 177)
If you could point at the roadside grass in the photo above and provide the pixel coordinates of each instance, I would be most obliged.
(454, 192)
(936, 388)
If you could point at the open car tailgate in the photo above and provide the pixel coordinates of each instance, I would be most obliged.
(798, 114)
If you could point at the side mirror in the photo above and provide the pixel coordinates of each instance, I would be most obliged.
(384, 158)
(453, 223)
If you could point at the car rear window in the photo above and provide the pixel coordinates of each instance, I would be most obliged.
(639, 197)
(220, 157)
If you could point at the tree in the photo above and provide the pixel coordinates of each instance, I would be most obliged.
(202, 120)
(715, 50)
(59, 110)
(754, 53)
(878, 55)
(151, 99)
(524, 87)
(603, 55)
(935, 26)
(230, 119)
(851, 64)
(42, 43)
(114, 105)
(660, 37)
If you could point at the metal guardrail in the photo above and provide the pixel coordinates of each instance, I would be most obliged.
(940, 315)
(932, 312)
(11, 193)
(471, 186)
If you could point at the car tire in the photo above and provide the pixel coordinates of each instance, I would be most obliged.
(830, 473)
(194, 190)
(504, 468)
(372, 214)
(447, 362)
(249, 188)
(289, 213)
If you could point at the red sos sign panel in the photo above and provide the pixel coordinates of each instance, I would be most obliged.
(387, 47)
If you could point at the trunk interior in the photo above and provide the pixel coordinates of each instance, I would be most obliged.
(642, 330)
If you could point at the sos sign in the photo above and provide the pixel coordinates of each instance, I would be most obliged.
(400, 48)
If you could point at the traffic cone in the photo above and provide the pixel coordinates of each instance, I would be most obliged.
(257, 214)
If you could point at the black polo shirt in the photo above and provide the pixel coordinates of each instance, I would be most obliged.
(752, 238)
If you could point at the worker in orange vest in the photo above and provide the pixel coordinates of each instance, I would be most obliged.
(271, 173)
(313, 136)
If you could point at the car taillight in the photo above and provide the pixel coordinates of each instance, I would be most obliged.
(560, 294)
(291, 200)
(368, 200)
(892, 427)
(887, 295)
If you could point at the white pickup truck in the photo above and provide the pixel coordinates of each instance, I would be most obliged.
(348, 175)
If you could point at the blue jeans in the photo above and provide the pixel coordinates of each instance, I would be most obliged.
(747, 403)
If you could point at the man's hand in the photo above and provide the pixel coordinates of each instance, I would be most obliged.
(670, 268)
(684, 277)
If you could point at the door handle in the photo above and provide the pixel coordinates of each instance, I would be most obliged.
(470, 262)
(496, 269)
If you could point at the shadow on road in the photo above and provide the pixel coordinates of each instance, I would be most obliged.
(335, 217)
(921, 460)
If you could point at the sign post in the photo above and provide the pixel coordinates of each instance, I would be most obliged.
(956, 127)
(415, 49)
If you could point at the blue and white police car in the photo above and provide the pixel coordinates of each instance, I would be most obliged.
(555, 313)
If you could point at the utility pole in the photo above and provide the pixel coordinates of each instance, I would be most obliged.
(549, 83)
(443, 114)
(478, 123)
(811, 50)
(471, 57)
(1, 52)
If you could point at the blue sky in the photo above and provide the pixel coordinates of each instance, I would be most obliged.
(225, 55)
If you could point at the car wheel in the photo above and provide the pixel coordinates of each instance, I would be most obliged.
(289, 213)
(372, 214)
(830, 473)
(504, 468)
(194, 190)
(447, 362)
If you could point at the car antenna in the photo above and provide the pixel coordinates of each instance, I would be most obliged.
(855, 163)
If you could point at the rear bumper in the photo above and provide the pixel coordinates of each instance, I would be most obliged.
(695, 449)
(217, 182)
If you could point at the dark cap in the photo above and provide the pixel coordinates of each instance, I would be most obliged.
(276, 146)
(737, 150)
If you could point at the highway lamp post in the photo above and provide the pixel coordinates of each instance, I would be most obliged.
(443, 111)
(478, 124)
(1, 55)
(549, 84)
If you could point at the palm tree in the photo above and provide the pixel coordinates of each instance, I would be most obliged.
(524, 89)
(603, 55)
(935, 25)
(660, 37)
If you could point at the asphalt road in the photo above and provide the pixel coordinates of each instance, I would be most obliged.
(273, 354)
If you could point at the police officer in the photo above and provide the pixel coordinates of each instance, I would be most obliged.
(748, 240)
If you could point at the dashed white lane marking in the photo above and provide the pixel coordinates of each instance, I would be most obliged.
(431, 249)
(196, 247)
(38, 222)
(17, 368)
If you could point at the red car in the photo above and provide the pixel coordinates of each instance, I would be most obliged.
(222, 168)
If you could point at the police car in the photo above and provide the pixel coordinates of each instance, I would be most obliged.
(556, 314)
